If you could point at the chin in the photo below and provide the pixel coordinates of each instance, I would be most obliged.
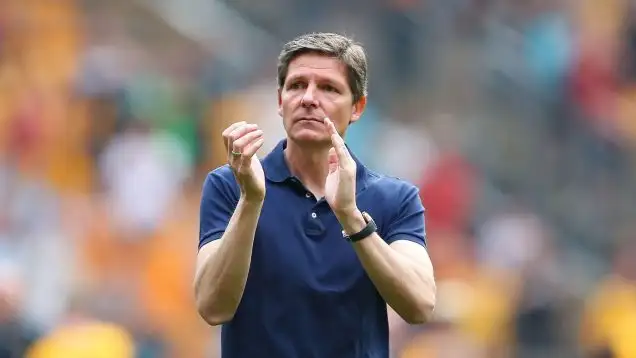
(309, 137)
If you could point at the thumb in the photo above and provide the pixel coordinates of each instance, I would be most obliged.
(333, 160)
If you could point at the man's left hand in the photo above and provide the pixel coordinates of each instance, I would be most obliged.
(340, 186)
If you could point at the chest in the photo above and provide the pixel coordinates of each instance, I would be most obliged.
(299, 247)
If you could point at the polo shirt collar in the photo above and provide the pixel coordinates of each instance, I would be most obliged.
(276, 169)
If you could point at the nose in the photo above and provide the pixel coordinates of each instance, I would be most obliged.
(309, 99)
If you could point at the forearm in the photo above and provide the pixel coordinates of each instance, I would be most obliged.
(406, 285)
(222, 275)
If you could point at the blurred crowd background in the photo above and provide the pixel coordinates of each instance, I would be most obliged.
(516, 118)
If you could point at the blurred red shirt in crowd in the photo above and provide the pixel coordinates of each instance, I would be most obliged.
(447, 191)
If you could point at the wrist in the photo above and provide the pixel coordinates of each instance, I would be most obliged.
(251, 201)
(352, 221)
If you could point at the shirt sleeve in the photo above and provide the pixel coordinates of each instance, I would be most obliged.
(218, 201)
(408, 221)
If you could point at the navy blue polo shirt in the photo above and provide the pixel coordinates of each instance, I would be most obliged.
(307, 295)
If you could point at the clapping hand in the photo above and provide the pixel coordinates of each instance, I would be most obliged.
(340, 186)
(242, 141)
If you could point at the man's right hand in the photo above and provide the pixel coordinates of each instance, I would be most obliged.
(242, 141)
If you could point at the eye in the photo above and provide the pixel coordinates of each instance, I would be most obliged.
(295, 85)
(329, 88)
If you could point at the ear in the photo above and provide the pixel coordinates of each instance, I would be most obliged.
(358, 109)
(280, 102)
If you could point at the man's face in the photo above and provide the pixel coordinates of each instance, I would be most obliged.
(316, 87)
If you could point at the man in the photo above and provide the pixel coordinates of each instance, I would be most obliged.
(290, 260)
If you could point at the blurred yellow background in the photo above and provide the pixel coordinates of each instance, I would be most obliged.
(516, 118)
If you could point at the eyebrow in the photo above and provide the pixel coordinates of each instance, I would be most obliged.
(320, 79)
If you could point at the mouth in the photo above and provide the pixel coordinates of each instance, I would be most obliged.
(311, 119)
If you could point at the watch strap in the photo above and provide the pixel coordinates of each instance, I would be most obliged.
(369, 229)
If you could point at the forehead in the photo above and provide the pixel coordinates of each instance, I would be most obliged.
(317, 66)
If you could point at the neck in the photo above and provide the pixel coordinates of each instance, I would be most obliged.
(309, 164)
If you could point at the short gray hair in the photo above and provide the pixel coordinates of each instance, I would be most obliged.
(341, 47)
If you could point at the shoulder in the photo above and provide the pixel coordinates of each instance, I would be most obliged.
(221, 175)
(391, 189)
(396, 206)
(221, 179)
(223, 172)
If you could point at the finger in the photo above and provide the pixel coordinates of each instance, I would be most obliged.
(332, 160)
(239, 145)
(242, 130)
(238, 133)
(228, 130)
(250, 149)
(331, 128)
(337, 141)
(253, 147)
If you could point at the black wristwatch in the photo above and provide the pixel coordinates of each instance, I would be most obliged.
(364, 233)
